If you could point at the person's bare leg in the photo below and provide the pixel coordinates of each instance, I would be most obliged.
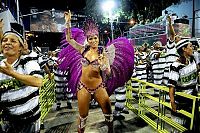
(83, 97)
(101, 96)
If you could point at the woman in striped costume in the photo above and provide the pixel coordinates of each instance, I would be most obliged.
(20, 103)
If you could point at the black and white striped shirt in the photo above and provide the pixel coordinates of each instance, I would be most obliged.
(41, 59)
(183, 77)
(142, 65)
(158, 66)
(22, 104)
(170, 57)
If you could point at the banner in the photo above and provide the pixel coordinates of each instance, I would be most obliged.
(151, 39)
(7, 19)
(51, 20)
(147, 30)
(43, 21)
(148, 34)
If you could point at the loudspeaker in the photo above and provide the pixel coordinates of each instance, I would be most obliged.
(17, 27)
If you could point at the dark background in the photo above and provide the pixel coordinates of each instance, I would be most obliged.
(148, 8)
(47, 39)
(49, 4)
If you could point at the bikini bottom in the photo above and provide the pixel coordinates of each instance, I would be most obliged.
(91, 91)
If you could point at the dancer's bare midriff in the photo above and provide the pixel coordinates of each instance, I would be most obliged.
(91, 77)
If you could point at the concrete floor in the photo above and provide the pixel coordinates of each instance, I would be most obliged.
(65, 121)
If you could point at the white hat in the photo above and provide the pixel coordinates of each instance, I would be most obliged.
(18, 35)
(182, 43)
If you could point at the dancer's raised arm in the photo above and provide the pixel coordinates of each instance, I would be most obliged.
(171, 29)
(69, 38)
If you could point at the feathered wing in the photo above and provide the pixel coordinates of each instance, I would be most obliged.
(121, 57)
(70, 58)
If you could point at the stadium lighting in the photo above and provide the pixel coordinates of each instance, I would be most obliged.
(108, 6)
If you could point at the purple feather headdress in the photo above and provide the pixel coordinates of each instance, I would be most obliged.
(90, 28)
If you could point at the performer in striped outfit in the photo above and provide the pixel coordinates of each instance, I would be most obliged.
(61, 78)
(19, 102)
(120, 97)
(134, 83)
(183, 78)
(158, 64)
(40, 58)
(62, 89)
(171, 55)
(141, 64)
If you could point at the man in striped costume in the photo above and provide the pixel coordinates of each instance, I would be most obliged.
(120, 96)
(61, 89)
(141, 64)
(134, 84)
(40, 58)
(171, 55)
(158, 64)
(183, 78)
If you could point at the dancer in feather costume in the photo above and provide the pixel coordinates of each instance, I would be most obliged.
(94, 71)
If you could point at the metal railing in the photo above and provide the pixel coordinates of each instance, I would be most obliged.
(162, 104)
